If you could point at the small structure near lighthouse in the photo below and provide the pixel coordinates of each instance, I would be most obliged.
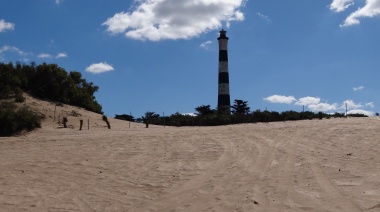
(224, 103)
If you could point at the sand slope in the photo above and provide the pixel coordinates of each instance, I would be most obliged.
(314, 165)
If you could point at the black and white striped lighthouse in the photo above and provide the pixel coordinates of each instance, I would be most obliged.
(223, 82)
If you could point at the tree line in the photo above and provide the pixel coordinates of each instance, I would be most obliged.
(48, 81)
(240, 113)
(44, 81)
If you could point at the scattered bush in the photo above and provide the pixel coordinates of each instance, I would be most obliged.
(150, 117)
(214, 119)
(125, 117)
(65, 120)
(107, 122)
(357, 115)
(14, 120)
(20, 99)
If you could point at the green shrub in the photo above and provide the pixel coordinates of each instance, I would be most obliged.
(64, 121)
(20, 98)
(48, 81)
(13, 120)
(106, 120)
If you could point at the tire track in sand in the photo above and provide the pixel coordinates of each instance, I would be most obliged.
(234, 177)
(82, 205)
(242, 187)
(237, 180)
(338, 200)
(279, 197)
(191, 190)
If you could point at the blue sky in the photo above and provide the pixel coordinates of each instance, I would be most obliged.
(162, 55)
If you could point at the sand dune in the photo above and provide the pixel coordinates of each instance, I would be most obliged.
(314, 165)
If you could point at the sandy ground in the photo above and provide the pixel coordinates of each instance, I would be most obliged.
(313, 165)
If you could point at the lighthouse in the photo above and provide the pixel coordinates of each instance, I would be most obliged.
(223, 82)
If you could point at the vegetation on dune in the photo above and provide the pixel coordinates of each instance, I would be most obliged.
(106, 120)
(125, 117)
(149, 117)
(205, 116)
(14, 120)
(47, 81)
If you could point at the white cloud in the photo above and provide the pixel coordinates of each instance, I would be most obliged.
(206, 44)
(238, 16)
(61, 55)
(308, 101)
(365, 112)
(58, 1)
(360, 88)
(173, 19)
(14, 50)
(44, 55)
(370, 104)
(189, 114)
(322, 107)
(341, 5)
(4, 26)
(351, 105)
(264, 17)
(7, 48)
(371, 9)
(98, 68)
(314, 104)
(280, 99)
